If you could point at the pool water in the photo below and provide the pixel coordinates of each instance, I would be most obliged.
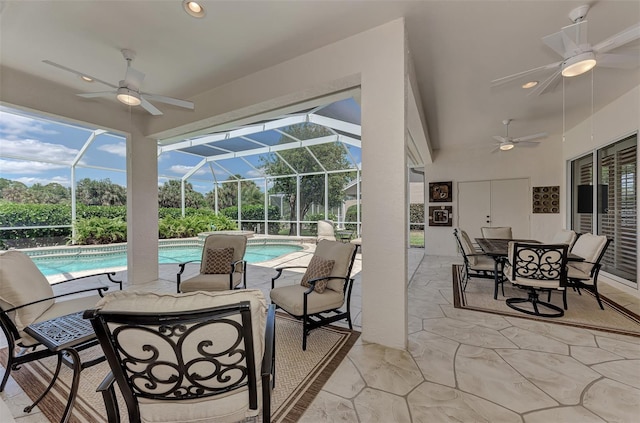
(55, 265)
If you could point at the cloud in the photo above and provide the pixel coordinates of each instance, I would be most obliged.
(15, 126)
(44, 181)
(119, 149)
(182, 170)
(27, 167)
(35, 150)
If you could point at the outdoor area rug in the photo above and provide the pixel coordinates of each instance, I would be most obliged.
(300, 375)
(583, 310)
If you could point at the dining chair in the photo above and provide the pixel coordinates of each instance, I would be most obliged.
(476, 263)
(326, 230)
(537, 268)
(584, 274)
(497, 232)
(190, 358)
(222, 266)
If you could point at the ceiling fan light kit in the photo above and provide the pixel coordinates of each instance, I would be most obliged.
(578, 55)
(577, 65)
(128, 90)
(128, 97)
(506, 146)
(506, 143)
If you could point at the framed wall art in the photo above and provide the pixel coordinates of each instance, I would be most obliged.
(546, 199)
(440, 192)
(440, 215)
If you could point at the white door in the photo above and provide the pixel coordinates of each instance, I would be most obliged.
(474, 207)
(494, 203)
(511, 206)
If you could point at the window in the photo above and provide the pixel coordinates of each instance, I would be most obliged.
(610, 202)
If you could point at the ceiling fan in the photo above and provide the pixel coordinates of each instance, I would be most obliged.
(128, 90)
(578, 56)
(506, 143)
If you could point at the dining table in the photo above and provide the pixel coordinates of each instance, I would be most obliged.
(498, 250)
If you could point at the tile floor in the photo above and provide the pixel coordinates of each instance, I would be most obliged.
(461, 366)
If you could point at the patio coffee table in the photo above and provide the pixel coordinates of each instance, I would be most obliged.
(67, 336)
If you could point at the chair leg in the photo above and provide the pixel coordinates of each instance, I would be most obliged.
(595, 291)
(53, 380)
(564, 298)
(304, 333)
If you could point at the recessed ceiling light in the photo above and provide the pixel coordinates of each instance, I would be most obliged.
(530, 84)
(193, 8)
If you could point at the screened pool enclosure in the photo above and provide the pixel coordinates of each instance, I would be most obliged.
(277, 176)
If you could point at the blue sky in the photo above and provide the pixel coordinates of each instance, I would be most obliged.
(35, 150)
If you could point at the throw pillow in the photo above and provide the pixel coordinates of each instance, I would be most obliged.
(318, 268)
(218, 260)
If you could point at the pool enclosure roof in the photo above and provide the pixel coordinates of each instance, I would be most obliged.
(55, 146)
(242, 151)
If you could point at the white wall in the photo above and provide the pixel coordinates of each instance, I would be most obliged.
(610, 124)
(542, 164)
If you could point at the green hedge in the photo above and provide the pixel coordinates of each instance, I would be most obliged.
(96, 224)
(255, 212)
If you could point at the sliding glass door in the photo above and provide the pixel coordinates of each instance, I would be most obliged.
(604, 201)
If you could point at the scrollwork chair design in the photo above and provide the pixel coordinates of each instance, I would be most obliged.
(537, 267)
(194, 357)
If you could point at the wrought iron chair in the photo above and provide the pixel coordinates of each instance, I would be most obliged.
(497, 232)
(584, 274)
(537, 267)
(325, 286)
(222, 265)
(193, 357)
(476, 264)
(27, 297)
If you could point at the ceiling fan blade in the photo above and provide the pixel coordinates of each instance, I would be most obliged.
(516, 76)
(567, 41)
(133, 78)
(49, 62)
(529, 138)
(548, 84)
(169, 100)
(630, 34)
(496, 149)
(97, 94)
(622, 61)
(499, 138)
(149, 107)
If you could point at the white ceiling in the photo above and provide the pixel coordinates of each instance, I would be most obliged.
(458, 47)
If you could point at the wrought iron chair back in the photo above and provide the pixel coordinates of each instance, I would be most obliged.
(538, 261)
(187, 355)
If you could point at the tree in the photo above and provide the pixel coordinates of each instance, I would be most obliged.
(228, 193)
(52, 193)
(14, 191)
(101, 192)
(169, 195)
(332, 156)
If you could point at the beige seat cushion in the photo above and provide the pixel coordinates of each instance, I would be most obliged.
(290, 298)
(589, 247)
(231, 407)
(499, 232)
(468, 248)
(325, 230)
(574, 271)
(21, 282)
(212, 282)
(564, 237)
(60, 308)
(237, 242)
(483, 264)
(341, 253)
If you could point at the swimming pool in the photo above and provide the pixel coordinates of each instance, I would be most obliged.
(54, 265)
